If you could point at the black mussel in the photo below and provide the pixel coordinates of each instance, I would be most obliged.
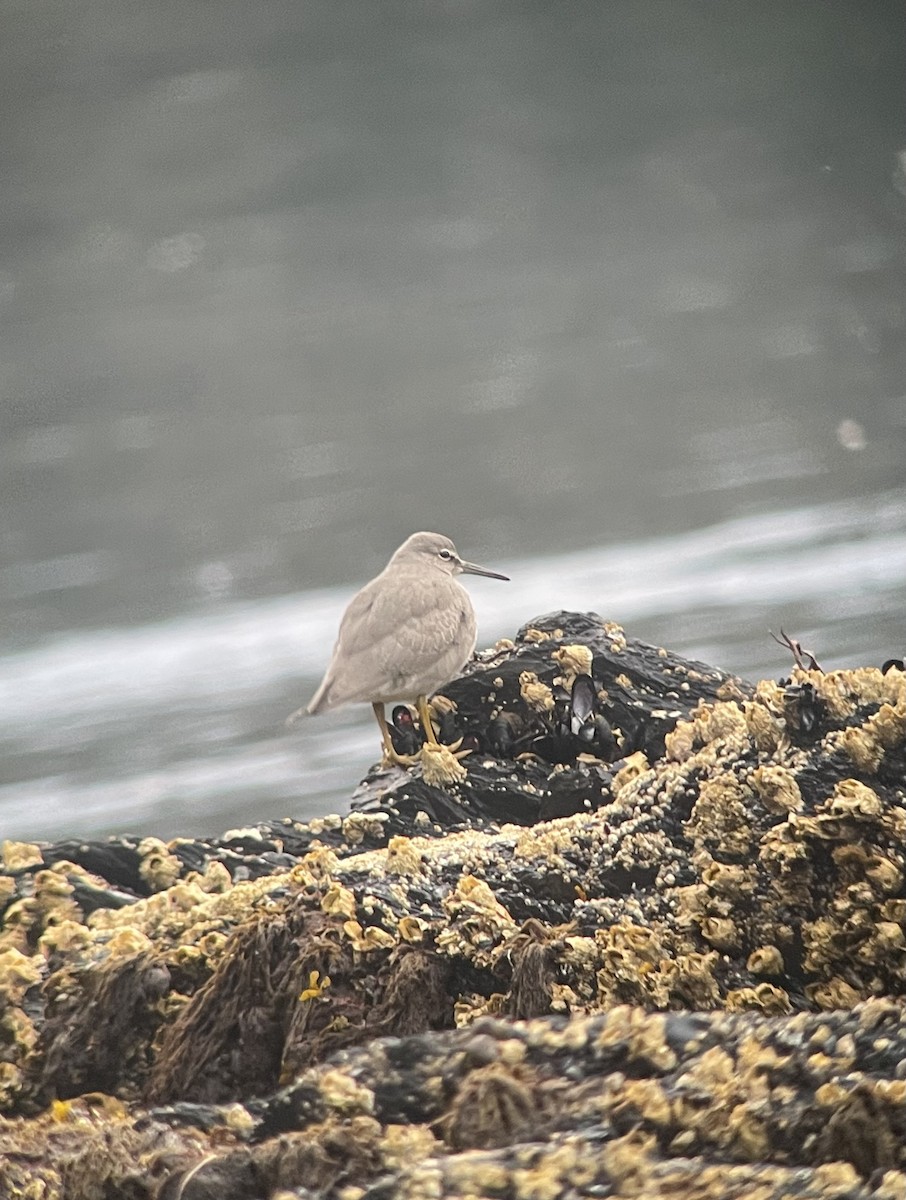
(403, 734)
(601, 739)
(586, 723)
(803, 708)
(582, 707)
(470, 742)
(449, 728)
(574, 726)
(504, 734)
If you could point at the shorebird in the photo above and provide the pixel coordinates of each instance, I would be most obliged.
(404, 635)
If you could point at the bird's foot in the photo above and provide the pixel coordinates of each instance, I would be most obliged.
(441, 765)
(390, 758)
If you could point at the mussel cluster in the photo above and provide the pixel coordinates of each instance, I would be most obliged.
(575, 725)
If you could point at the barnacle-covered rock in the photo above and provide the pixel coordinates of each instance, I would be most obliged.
(690, 978)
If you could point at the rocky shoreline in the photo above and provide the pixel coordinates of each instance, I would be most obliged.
(655, 948)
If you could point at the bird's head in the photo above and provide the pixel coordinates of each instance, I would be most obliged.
(433, 550)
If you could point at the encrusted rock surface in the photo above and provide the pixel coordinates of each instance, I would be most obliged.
(691, 985)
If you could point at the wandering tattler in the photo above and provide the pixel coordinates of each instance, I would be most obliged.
(405, 634)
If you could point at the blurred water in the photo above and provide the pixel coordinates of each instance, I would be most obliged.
(613, 294)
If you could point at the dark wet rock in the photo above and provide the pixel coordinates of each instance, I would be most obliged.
(519, 707)
(673, 966)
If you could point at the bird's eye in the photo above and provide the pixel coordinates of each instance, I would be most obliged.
(445, 554)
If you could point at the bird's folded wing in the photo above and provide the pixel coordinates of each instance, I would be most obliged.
(404, 628)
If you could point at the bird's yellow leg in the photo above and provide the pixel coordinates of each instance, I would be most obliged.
(428, 727)
(390, 756)
(440, 765)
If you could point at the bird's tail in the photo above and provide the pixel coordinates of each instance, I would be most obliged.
(318, 703)
(295, 716)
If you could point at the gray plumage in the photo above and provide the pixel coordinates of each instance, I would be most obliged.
(407, 632)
